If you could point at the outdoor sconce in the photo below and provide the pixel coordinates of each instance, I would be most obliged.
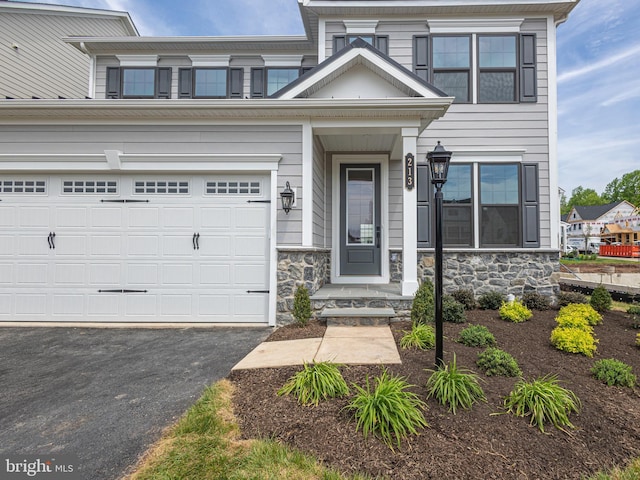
(288, 196)
(439, 165)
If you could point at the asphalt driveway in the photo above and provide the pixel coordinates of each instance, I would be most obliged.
(104, 395)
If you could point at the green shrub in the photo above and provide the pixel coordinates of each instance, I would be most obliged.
(452, 311)
(477, 336)
(633, 310)
(423, 306)
(496, 362)
(536, 301)
(421, 336)
(638, 340)
(565, 298)
(316, 382)
(492, 300)
(572, 313)
(301, 306)
(454, 386)
(600, 299)
(544, 400)
(515, 312)
(388, 410)
(614, 373)
(466, 298)
(574, 340)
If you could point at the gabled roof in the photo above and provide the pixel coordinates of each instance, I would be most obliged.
(359, 52)
(593, 212)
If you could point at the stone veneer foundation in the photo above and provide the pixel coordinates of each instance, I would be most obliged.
(507, 272)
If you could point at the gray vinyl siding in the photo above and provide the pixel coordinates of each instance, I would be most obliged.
(228, 139)
(320, 218)
(43, 65)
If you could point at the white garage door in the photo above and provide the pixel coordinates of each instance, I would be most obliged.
(134, 248)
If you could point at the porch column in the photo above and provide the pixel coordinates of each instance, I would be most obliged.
(409, 217)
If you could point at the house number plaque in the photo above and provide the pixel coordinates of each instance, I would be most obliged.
(409, 171)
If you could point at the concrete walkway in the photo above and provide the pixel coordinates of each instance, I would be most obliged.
(349, 345)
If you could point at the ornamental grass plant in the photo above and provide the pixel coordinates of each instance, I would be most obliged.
(454, 387)
(387, 409)
(544, 400)
(420, 336)
(315, 382)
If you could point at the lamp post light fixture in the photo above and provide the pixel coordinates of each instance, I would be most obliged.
(288, 196)
(439, 160)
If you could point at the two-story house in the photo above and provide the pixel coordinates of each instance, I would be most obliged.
(159, 198)
(585, 224)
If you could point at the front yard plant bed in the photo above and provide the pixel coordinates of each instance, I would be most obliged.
(473, 443)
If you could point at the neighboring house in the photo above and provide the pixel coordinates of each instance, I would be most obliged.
(623, 230)
(585, 223)
(159, 199)
(37, 63)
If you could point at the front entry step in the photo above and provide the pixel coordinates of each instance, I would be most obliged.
(357, 316)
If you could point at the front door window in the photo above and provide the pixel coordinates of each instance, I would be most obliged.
(360, 203)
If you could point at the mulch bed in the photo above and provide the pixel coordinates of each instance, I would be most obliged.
(473, 443)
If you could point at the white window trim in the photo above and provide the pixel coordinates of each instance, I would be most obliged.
(361, 27)
(291, 61)
(138, 60)
(210, 60)
(475, 25)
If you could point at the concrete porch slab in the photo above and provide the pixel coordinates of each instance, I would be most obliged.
(358, 346)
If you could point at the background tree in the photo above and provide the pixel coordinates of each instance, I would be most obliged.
(627, 188)
(585, 196)
(564, 206)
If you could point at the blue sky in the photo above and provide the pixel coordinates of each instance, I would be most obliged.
(598, 70)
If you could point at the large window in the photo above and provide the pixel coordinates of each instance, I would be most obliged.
(278, 78)
(485, 205)
(138, 82)
(499, 205)
(497, 61)
(210, 82)
(452, 65)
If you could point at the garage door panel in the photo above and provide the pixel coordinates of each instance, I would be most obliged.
(104, 305)
(70, 273)
(144, 217)
(143, 245)
(177, 305)
(181, 275)
(215, 218)
(31, 304)
(105, 274)
(106, 217)
(177, 245)
(70, 245)
(6, 305)
(143, 274)
(7, 248)
(7, 216)
(249, 304)
(6, 273)
(68, 305)
(34, 245)
(71, 217)
(32, 274)
(250, 218)
(215, 274)
(253, 246)
(251, 275)
(106, 245)
(140, 305)
(174, 217)
(215, 246)
(215, 305)
(33, 217)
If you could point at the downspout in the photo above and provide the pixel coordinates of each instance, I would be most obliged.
(92, 70)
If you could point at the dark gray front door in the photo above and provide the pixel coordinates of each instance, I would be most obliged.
(360, 229)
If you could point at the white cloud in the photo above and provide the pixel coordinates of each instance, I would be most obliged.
(607, 62)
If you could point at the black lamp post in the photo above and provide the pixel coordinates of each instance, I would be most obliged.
(439, 160)
(288, 197)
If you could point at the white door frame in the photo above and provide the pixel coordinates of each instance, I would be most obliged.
(337, 160)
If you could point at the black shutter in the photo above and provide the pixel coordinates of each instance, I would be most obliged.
(382, 44)
(163, 82)
(304, 70)
(339, 42)
(185, 84)
(421, 56)
(530, 206)
(424, 205)
(236, 77)
(113, 82)
(528, 89)
(257, 83)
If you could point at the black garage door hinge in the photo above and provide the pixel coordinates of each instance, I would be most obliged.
(123, 200)
(122, 291)
(258, 201)
(257, 291)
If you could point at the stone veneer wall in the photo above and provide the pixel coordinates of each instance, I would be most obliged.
(296, 267)
(508, 272)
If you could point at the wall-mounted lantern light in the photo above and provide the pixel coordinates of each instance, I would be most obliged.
(288, 196)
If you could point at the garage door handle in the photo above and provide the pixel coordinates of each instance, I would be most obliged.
(51, 240)
(196, 241)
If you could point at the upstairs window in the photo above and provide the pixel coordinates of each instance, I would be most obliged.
(210, 82)
(278, 78)
(138, 82)
(452, 65)
(497, 68)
